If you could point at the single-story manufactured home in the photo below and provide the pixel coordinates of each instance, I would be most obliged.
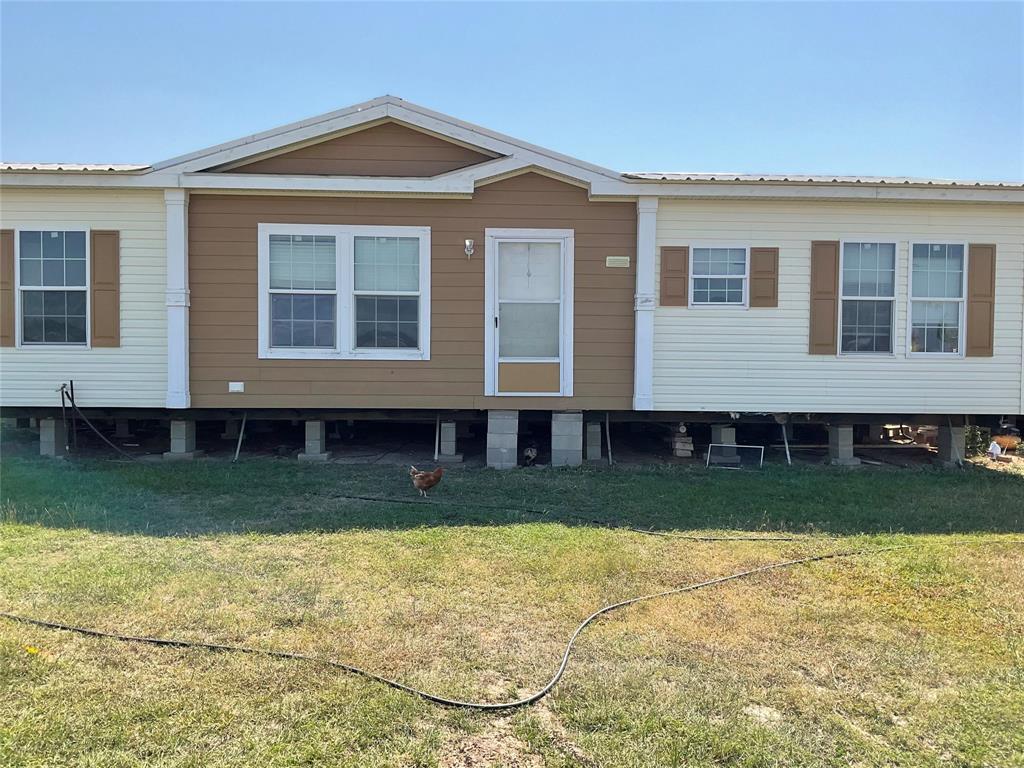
(392, 260)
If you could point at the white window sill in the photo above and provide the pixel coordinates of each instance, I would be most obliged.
(329, 354)
(527, 394)
(56, 347)
(715, 305)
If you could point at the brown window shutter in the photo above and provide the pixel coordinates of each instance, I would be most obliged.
(824, 297)
(675, 276)
(764, 277)
(981, 300)
(105, 287)
(6, 288)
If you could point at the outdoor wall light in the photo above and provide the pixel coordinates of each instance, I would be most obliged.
(469, 248)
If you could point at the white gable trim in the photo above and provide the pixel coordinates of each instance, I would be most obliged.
(459, 182)
(374, 111)
(220, 154)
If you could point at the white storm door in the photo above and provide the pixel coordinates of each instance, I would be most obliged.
(529, 312)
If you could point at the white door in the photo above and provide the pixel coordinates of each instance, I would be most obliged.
(529, 312)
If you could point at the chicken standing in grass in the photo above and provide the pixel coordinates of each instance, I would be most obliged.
(424, 481)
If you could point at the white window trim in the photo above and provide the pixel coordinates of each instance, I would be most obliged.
(344, 333)
(492, 236)
(911, 299)
(745, 304)
(18, 320)
(887, 239)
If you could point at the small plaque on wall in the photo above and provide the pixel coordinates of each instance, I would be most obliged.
(621, 262)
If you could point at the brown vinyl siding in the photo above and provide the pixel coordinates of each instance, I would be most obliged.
(223, 283)
(529, 377)
(388, 149)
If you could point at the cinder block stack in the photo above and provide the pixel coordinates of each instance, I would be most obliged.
(682, 443)
(502, 439)
(567, 438)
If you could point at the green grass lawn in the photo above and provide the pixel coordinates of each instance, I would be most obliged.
(914, 657)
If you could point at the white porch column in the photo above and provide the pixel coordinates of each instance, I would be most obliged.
(644, 303)
(176, 202)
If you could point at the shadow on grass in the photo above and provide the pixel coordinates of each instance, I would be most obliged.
(281, 496)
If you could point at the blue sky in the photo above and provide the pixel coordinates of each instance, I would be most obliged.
(913, 88)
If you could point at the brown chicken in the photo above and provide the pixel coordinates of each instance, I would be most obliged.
(424, 481)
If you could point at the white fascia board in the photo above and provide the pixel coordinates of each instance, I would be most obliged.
(711, 190)
(370, 185)
(460, 182)
(146, 180)
(464, 181)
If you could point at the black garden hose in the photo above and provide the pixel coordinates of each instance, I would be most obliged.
(69, 393)
(431, 697)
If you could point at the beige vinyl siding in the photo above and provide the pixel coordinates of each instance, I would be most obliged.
(734, 359)
(133, 374)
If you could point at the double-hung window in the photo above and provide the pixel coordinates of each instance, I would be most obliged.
(719, 276)
(53, 287)
(868, 296)
(344, 291)
(303, 291)
(387, 292)
(937, 298)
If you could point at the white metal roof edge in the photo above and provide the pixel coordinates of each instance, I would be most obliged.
(815, 178)
(73, 167)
